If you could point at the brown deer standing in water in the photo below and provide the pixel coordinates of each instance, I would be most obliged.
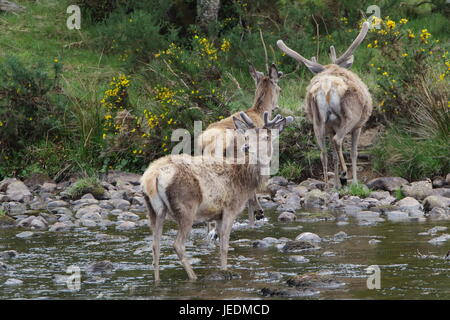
(337, 102)
(195, 189)
(266, 100)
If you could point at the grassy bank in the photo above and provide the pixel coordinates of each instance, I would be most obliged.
(108, 96)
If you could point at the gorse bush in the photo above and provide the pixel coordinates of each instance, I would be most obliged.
(27, 112)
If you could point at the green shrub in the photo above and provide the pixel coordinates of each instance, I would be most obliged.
(398, 194)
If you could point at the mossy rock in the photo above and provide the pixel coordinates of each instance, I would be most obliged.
(6, 221)
(82, 187)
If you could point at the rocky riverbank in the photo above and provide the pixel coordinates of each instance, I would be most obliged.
(36, 206)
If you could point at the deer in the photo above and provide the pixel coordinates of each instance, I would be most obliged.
(337, 103)
(193, 189)
(266, 100)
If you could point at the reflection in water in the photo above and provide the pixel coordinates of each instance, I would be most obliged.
(411, 268)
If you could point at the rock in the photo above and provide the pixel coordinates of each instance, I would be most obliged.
(100, 267)
(290, 204)
(315, 198)
(286, 217)
(279, 180)
(125, 226)
(312, 184)
(341, 235)
(443, 192)
(301, 191)
(94, 216)
(88, 223)
(14, 208)
(379, 195)
(8, 254)
(438, 182)
(37, 180)
(13, 282)
(436, 229)
(91, 209)
(222, 275)
(308, 237)
(329, 254)
(298, 259)
(369, 216)
(386, 183)
(274, 275)
(120, 204)
(439, 214)
(18, 191)
(295, 246)
(128, 216)
(447, 179)
(432, 202)
(274, 188)
(397, 216)
(409, 204)
(120, 178)
(418, 190)
(6, 221)
(25, 235)
(264, 243)
(60, 226)
(48, 187)
(314, 280)
(26, 223)
(288, 293)
(441, 239)
(374, 241)
(3, 267)
(57, 204)
(38, 223)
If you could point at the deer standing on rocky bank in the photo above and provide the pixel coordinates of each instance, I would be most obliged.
(195, 189)
(337, 102)
(216, 134)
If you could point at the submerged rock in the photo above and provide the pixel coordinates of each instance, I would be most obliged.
(8, 254)
(439, 214)
(25, 235)
(441, 239)
(125, 225)
(222, 275)
(286, 217)
(295, 246)
(13, 282)
(314, 280)
(100, 267)
(298, 259)
(315, 198)
(288, 293)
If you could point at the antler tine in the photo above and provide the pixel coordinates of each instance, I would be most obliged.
(297, 56)
(333, 54)
(247, 119)
(362, 34)
(270, 123)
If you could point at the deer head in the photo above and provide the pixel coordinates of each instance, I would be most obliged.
(344, 61)
(258, 142)
(266, 86)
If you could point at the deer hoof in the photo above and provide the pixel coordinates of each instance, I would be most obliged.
(259, 214)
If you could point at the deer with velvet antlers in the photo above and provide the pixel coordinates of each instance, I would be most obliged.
(203, 188)
(218, 135)
(338, 103)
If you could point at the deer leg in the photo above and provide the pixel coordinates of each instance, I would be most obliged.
(259, 208)
(336, 168)
(251, 212)
(225, 228)
(320, 137)
(354, 154)
(157, 228)
(185, 226)
(338, 139)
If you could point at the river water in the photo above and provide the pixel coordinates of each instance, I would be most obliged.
(410, 266)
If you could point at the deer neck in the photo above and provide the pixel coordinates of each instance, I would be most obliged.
(263, 101)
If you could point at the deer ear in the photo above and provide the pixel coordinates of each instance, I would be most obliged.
(240, 125)
(347, 63)
(273, 73)
(256, 75)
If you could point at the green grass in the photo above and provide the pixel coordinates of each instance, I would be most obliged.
(83, 186)
(359, 190)
(2, 213)
(398, 194)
